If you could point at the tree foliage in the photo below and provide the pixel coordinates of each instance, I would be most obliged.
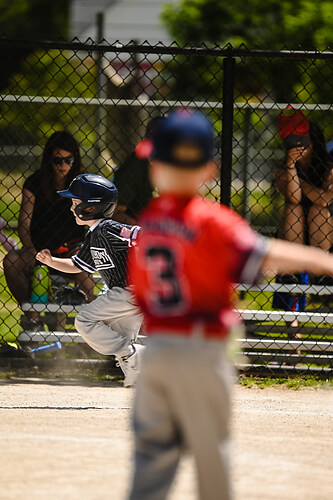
(269, 25)
(50, 74)
(28, 20)
(273, 24)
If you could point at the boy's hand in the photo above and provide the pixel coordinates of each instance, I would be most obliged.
(45, 257)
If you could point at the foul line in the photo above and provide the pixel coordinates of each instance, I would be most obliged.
(65, 407)
(23, 436)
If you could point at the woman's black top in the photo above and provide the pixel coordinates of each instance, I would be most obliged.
(52, 223)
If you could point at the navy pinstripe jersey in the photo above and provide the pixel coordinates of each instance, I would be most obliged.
(105, 250)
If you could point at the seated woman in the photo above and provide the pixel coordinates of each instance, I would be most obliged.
(305, 180)
(45, 221)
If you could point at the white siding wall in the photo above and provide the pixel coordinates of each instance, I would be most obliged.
(124, 20)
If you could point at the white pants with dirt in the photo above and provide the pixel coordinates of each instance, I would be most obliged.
(110, 322)
(182, 403)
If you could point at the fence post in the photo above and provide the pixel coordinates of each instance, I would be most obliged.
(101, 93)
(227, 129)
(246, 209)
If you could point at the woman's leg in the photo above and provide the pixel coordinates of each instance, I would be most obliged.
(320, 225)
(291, 227)
(18, 267)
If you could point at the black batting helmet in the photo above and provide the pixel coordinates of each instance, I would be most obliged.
(99, 196)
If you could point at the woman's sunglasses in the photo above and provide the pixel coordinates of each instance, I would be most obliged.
(59, 160)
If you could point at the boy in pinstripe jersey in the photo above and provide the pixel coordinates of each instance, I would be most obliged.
(110, 324)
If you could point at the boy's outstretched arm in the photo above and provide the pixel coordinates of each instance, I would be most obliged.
(63, 265)
(286, 257)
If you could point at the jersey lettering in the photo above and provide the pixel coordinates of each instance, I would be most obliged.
(101, 258)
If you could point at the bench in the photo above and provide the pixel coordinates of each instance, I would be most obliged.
(58, 318)
(269, 338)
(266, 338)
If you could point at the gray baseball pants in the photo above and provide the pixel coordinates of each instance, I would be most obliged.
(110, 322)
(182, 402)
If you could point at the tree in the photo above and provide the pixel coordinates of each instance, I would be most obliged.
(273, 24)
(55, 74)
(28, 20)
(269, 25)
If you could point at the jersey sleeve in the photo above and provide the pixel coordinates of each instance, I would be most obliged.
(83, 259)
(121, 235)
(249, 270)
(244, 248)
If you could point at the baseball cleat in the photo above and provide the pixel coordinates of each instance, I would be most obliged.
(130, 366)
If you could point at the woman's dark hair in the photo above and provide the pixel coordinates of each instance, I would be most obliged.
(319, 163)
(59, 140)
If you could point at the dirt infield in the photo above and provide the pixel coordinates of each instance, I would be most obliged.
(72, 440)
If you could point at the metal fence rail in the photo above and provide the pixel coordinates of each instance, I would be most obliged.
(105, 95)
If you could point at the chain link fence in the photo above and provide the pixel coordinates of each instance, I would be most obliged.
(105, 96)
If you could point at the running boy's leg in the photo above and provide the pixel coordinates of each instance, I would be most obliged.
(110, 323)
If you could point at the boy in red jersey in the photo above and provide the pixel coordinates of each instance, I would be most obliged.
(188, 255)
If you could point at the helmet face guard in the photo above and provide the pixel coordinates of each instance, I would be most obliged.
(98, 196)
(91, 211)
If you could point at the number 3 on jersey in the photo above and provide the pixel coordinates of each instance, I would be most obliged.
(167, 288)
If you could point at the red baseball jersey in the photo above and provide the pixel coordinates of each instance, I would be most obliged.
(189, 253)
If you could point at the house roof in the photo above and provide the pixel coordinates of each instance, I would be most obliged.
(124, 20)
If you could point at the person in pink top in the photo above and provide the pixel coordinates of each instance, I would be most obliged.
(188, 254)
